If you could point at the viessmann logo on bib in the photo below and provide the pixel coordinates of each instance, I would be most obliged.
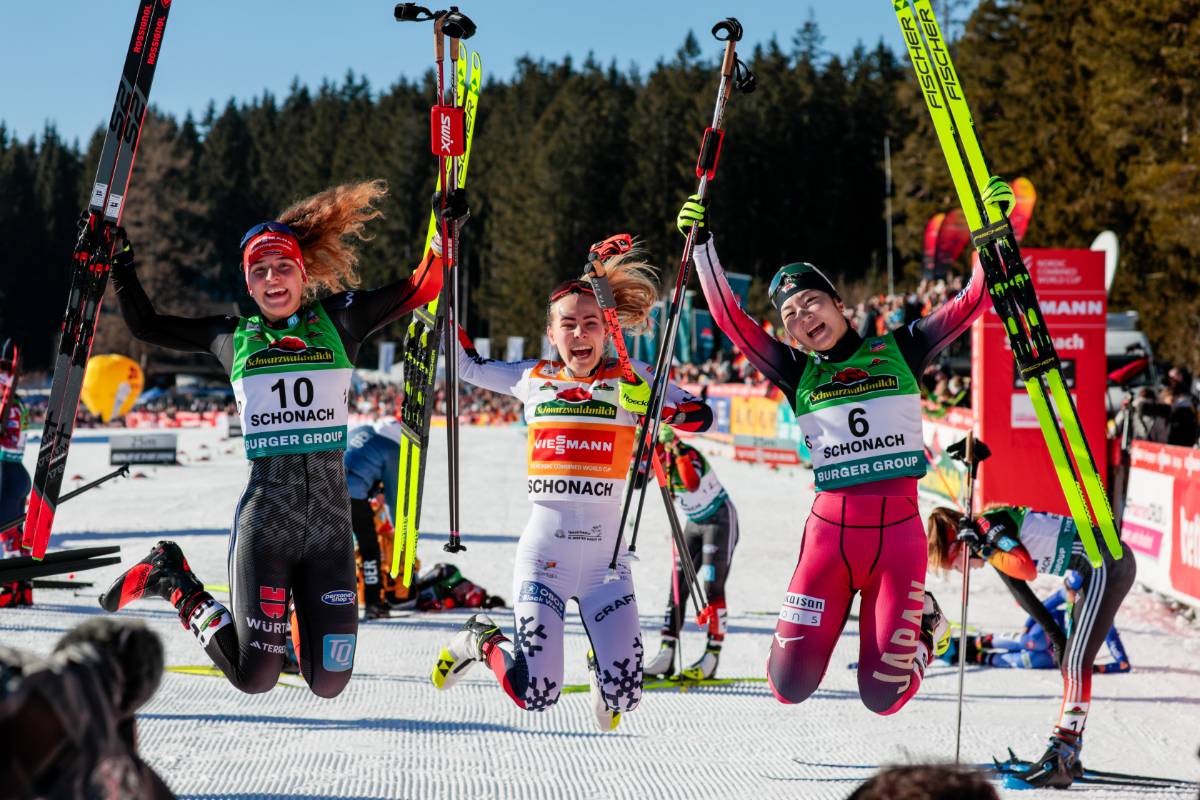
(852, 382)
(287, 351)
(574, 445)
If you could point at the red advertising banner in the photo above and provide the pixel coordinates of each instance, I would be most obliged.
(1070, 287)
(1161, 521)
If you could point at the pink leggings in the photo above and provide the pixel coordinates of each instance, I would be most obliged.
(857, 543)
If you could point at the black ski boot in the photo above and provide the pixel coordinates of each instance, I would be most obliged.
(164, 573)
(1058, 767)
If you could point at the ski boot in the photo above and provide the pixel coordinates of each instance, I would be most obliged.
(663, 665)
(376, 609)
(935, 628)
(464, 650)
(163, 573)
(17, 593)
(705, 667)
(1058, 767)
(606, 718)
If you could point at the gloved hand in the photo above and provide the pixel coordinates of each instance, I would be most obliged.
(694, 211)
(997, 198)
(635, 397)
(123, 252)
(969, 535)
(457, 209)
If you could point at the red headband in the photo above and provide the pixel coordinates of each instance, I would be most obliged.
(272, 243)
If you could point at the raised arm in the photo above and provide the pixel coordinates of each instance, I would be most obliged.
(681, 408)
(504, 377)
(212, 334)
(782, 365)
(362, 312)
(923, 339)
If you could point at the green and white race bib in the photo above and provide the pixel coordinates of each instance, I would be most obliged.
(861, 417)
(292, 384)
(1049, 539)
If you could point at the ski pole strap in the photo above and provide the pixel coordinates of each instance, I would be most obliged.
(456, 24)
(411, 12)
(727, 30)
(447, 133)
(710, 153)
(743, 79)
(991, 232)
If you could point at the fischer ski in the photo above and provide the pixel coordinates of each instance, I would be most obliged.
(92, 257)
(1008, 281)
(734, 75)
(429, 328)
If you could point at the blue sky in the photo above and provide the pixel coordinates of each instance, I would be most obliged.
(63, 66)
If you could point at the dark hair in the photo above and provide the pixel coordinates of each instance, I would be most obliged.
(130, 646)
(926, 782)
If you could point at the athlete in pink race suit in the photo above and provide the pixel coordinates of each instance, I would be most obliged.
(858, 405)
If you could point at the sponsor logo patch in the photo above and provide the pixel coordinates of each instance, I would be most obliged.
(272, 601)
(574, 445)
(853, 382)
(534, 592)
(801, 609)
(340, 597)
(337, 651)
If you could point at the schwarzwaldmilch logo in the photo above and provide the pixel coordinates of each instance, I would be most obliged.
(287, 351)
(852, 382)
(576, 401)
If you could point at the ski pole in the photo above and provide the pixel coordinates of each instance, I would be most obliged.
(734, 75)
(116, 473)
(971, 451)
(448, 141)
(602, 289)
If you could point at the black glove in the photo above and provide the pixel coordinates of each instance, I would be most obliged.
(122, 257)
(456, 206)
(968, 534)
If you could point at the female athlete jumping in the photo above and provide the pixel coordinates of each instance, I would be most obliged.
(290, 366)
(858, 406)
(581, 435)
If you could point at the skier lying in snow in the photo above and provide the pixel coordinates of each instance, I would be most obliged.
(1020, 544)
(582, 418)
(1030, 648)
(290, 366)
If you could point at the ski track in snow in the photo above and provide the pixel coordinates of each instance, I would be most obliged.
(392, 735)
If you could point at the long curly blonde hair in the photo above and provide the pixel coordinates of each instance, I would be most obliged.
(324, 223)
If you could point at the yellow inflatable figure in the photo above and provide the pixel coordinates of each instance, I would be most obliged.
(111, 385)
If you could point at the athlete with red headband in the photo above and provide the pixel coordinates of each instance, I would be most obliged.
(582, 419)
(858, 406)
(290, 366)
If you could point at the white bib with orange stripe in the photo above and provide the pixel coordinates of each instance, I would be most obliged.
(580, 439)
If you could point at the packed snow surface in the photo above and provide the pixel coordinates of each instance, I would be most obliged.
(392, 735)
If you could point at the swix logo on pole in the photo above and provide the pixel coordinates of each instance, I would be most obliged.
(447, 131)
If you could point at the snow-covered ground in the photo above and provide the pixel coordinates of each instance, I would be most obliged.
(390, 734)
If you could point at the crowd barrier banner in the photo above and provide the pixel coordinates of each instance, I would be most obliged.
(1070, 287)
(1161, 520)
(943, 427)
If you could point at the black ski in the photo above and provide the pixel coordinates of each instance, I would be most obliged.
(92, 257)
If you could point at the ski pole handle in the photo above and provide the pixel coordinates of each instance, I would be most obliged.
(411, 12)
(727, 30)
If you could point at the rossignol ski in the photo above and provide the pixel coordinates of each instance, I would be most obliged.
(598, 278)
(1008, 281)
(734, 75)
(92, 257)
(452, 130)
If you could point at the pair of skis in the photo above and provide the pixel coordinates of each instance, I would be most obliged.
(734, 75)
(93, 257)
(1008, 281)
(453, 131)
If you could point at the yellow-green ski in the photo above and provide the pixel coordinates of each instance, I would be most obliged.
(1008, 281)
(421, 352)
